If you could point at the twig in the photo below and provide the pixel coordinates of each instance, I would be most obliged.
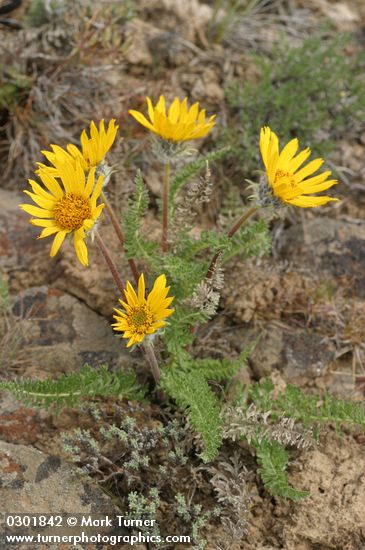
(110, 263)
(165, 212)
(120, 235)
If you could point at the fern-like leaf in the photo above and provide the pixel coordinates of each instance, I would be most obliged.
(251, 240)
(193, 168)
(309, 410)
(68, 390)
(191, 391)
(273, 460)
(137, 245)
(216, 369)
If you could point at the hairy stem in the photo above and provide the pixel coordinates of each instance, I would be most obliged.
(231, 232)
(165, 211)
(120, 235)
(151, 358)
(242, 220)
(110, 263)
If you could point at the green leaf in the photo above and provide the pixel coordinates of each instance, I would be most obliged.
(193, 168)
(216, 369)
(68, 390)
(191, 391)
(273, 460)
(249, 241)
(137, 245)
(309, 410)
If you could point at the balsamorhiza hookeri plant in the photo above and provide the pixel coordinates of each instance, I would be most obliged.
(179, 286)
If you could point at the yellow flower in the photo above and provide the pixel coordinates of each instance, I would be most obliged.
(289, 184)
(143, 316)
(180, 124)
(68, 209)
(93, 152)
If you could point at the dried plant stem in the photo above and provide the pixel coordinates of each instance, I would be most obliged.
(110, 263)
(165, 211)
(151, 358)
(246, 215)
(242, 220)
(147, 348)
(120, 235)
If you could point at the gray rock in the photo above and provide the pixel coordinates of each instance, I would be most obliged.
(22, 257)
(34, 483)
(299, 355)
(94, 285)
(330, 247)
(60, 334)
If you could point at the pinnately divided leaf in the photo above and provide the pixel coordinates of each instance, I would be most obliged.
(192, 168)
(309, 410)
(68, 390)
(273, 460)
(216, 369)
(191, 391)
(137, 245)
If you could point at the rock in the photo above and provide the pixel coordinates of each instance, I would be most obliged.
(94, 285)
(60, 334)
(345, 16)
(19, 424)
(299, 355)
(22, 257)
(32, 482)
(306, 355)
(168, 49)
(258, 289)
(207, 87)
(331, 517)
(189, 16)
(329, 247)
(268, 352)
(333, 514)
(137, 35)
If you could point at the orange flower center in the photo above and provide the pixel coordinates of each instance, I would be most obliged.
(140, 318)
(71, 211)
(288, 177)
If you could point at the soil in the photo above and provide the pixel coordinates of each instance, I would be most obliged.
(306, 301)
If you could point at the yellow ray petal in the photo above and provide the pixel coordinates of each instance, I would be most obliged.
(48, 204)
(311, 202)
(161, 105)
(52, 184)
(298, 160)
(47, 231)
(174, 111)
(309, 169)
(150, 109)
(36, 211)
(141, 119)
(80, 247)
(319, 187)
(141, 289)
(287, 154)
(40, 191)
(44, 223)
(57, 241)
